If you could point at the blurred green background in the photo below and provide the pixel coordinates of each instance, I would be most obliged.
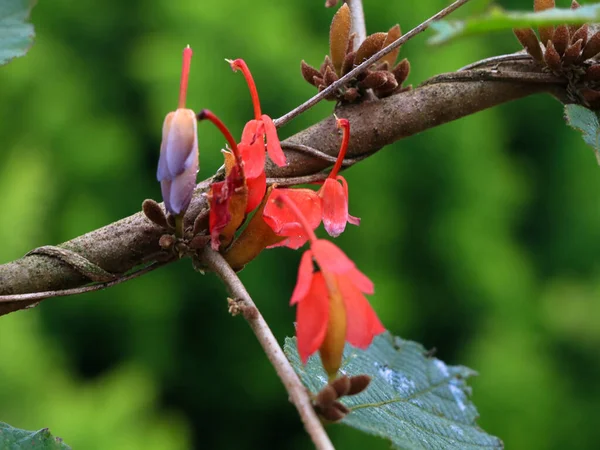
(481, 236)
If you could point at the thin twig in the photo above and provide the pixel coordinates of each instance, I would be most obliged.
(366, 64)
(319, 154)
(284, 369)
(483, 75)
(496, 60)
(80, 290)
(358, 21)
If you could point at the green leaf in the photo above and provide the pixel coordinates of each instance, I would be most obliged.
(16, 35)
(586, 121)
(415, 401)
(498, 19)
(15, 439)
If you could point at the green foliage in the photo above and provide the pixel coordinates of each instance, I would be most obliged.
(15, 439)
(498, 19)
(16, 35)
(482, 236)
(586, 121)
(414, 400)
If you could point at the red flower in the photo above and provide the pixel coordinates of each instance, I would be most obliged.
(259, 135)
(331, 306)
(334, 194)
(178, 162)
(228, 198)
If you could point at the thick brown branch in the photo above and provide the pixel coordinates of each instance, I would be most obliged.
(120, 246)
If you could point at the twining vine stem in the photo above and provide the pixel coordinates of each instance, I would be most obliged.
(298, 393)
(358, 21)
(367, 63)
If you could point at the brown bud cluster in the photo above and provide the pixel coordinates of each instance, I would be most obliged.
(568, 51)
(326, 402)
(562, 46)
(384, 78)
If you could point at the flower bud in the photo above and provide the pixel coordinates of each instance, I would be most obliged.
(178, 163)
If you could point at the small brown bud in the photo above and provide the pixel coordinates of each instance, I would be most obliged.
(309, 72)
(401, 71)
(351, 94)
(326, 63)
(581, 33)
(332, 414)
(154, 213)
(330, 3)
(358, 383)
(560, 39)
(545, 32)
(592, 48)
(574, 4)
(341, 385)
(592, 73)
(350, 47)
(330, 76)
(341, 408)
(541, 5)
(200, 222)
(530, 43)
(390, 86)
(348, 63)
(199, 241)
(369, 47)
(326, 397)
(552, 57)
(572, 53)
(394, 33)
(166, 241)
(374, 80)
(339, 33)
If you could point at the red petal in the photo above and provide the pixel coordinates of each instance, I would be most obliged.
(335, 207)
(361, 281)
(273, 146)
(256, 191)
(250, 132)
(293, 242)
(305, 275)
(252, 149)
(330, 258)
(362, 322)
(219, 216)
(254, 158)
(351, 219)
(312, 315)
(284, 221)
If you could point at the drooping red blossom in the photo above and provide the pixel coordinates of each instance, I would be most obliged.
(227, 198)
(334, 191)
(259, 134)
(330, 299)
(178, 162)
(284, 222)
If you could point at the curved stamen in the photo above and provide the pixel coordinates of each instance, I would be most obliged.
(280, 196)
(344, 124)
(209, 115)
(241, 65)
(185, 73)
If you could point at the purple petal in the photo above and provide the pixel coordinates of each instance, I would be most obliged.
(179, 147)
